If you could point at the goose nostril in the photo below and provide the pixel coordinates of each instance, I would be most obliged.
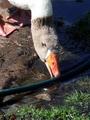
(43, 44)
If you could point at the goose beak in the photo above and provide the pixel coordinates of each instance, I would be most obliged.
(52, 63)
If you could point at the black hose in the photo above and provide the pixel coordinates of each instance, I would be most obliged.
(67, 74)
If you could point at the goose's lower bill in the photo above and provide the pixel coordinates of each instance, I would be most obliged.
(52, 63)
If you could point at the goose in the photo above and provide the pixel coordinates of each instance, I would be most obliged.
(44, 36)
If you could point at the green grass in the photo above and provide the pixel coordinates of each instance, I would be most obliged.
(55, 113)
(80, 101)
(78, 97)
(76, 107)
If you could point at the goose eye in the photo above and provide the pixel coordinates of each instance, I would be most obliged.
(43, 44)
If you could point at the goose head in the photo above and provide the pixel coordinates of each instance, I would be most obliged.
(46, 44)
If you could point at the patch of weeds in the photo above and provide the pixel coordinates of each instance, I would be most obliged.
(84, 83)
(54, 113)
(80, 100)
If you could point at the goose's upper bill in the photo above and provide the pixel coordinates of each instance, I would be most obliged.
(52, 63)
(43, 33)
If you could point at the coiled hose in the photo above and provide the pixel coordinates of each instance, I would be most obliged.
(67, 74)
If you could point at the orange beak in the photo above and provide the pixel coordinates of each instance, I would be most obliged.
(52, 63)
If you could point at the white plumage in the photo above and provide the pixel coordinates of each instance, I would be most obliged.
(39, 8)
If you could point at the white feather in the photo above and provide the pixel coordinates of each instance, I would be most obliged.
(39, 8)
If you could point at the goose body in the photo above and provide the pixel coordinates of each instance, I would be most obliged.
(39, 8)
(24, 4)
(43, 33)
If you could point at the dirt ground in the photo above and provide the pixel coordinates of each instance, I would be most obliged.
(17, 56)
